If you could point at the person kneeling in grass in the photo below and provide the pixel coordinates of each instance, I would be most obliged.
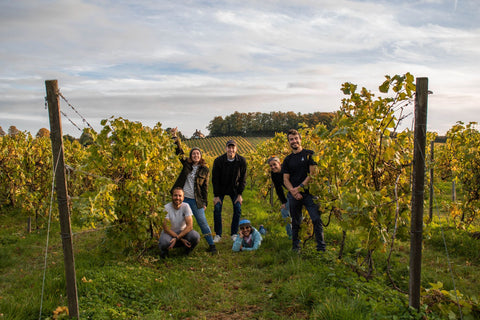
(177, 226)
(248, 239)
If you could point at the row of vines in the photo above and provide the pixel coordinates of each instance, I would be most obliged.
(215, 146)
(124, 176)
(364, 173)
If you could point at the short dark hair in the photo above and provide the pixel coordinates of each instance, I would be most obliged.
(293, 132)
(176, 188)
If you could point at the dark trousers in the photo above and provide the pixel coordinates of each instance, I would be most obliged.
(217, 216)
(296, 214)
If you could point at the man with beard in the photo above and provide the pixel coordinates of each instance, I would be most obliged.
(297, 169)
(177, 226)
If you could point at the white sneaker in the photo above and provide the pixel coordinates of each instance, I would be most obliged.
(217, 238)
(234, 237)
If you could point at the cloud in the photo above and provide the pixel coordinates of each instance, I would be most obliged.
(183, 63)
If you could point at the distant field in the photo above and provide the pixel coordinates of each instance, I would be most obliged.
(215, 146)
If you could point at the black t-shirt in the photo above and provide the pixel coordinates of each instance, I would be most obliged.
(298, 166)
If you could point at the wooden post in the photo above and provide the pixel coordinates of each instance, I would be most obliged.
(432, 146)
(416, 230)
(62, 195)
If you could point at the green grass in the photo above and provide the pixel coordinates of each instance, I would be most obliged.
(271, 283)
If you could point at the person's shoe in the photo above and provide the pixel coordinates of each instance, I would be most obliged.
(234, 237)
(217, 238)
(321, 249)
(212, 249)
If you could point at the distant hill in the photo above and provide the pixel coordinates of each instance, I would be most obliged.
(215, 146)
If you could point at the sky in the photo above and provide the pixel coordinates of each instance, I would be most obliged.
(182, 63)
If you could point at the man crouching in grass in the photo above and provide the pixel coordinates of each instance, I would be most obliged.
(178, 226)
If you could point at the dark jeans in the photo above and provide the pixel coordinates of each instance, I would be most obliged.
(296, 214)
(217, 216)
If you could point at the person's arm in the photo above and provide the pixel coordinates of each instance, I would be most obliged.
(237, 244)
(167, 229)
(242, 180)
(216, 176)
(312, 170)
(188, 228)
(257, 241)
(176, 140)
(277, 180)
(170, 232)
(204, 188)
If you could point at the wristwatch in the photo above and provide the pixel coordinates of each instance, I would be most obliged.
(301, 185)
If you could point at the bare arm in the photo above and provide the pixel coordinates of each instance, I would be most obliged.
(294, 191)
(188, 228)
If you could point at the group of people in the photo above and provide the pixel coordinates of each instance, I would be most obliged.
(190, 191)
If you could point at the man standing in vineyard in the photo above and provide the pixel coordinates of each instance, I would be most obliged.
(178, 225)
(277, 179)
(228, 178)
(297, 168)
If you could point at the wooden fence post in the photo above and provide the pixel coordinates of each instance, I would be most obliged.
(416, 230)
(62, 195)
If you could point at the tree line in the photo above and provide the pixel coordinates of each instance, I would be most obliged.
(265, 124)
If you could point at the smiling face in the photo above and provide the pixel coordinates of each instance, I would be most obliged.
(231, 151)
(196, 156)
(275, 166)
(246, 230)
(177, 198)
(295, 142)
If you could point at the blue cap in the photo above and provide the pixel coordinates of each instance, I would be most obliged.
(244, 221)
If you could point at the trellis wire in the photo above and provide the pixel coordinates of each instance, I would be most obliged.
(54, 167)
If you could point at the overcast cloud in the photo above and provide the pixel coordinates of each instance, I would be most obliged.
(181, 63)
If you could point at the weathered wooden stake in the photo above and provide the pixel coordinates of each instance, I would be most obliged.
(62, 195)
(416, 230)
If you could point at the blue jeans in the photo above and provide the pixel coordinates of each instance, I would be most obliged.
(285, 215)
(296, 213)
(199, 214)
(217, 216)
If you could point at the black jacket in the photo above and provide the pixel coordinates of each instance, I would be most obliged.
(221, 172)
(201, 178)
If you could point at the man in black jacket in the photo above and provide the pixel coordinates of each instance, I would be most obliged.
(228, 178)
